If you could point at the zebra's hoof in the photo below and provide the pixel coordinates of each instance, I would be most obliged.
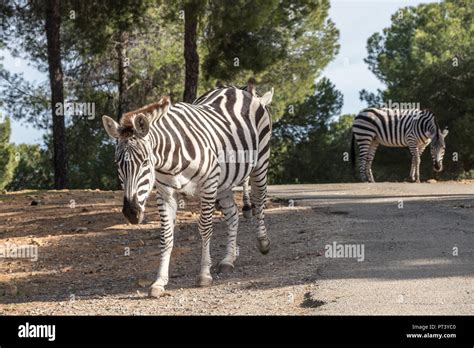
(225, 268)
(247, 211)
(204, 281)
(264, 245)
(156, 291)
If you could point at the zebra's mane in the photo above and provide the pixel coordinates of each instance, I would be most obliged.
(424, 112)
(219, 85)
(126, 128)
(249, 87)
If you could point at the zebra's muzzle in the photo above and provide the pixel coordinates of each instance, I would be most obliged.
(437, 166)
(132, 211)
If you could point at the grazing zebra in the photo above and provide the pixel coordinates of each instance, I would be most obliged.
(414, 128)
(188, 148)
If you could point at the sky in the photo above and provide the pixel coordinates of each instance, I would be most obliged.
(356, 20)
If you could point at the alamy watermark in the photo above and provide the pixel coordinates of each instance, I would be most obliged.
(401, 106)
(75, 109)
(237, 156)
(354, 251)
(28, 330)
(17, 251)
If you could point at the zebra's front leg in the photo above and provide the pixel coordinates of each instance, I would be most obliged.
(417, 174)
(247, 208)
(231, 215)
(208, 201)
(415, 165)
(419, 152)
(167, 208)
(412, 169)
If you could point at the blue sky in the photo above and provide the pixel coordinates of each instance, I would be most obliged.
(356, 21)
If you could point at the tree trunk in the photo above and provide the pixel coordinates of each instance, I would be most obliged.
(191, 57)
(123, 63)
(52, 25)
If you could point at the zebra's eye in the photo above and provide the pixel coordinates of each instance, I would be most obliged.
(145, 163)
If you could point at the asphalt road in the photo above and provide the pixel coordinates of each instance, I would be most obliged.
(418, 241)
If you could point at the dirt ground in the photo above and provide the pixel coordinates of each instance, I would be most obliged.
(418, 244)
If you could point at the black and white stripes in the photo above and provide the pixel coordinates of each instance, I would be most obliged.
(413, 128)
(184, 148)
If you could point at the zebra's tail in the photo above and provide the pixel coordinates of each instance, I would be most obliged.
(353, 153)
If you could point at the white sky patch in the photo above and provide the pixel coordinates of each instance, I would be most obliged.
(21, 131)
(357, 20)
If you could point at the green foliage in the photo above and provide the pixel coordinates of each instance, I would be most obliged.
(308, 145)
(313, 113)
(426, 56)
(156, 60)
(91, 152)
(284, 44)
(7, 154)
(33, 169)
(240, 34)
(155, 69)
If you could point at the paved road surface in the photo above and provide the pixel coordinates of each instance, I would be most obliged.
(419, 246)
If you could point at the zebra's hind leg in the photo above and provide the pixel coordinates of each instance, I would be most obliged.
(370, 158)
(364, 145)
(231, 215)
(258, 181)
(363, 173)
(247, 208)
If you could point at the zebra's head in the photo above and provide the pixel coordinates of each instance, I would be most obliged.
(438, 147)
(134, 156)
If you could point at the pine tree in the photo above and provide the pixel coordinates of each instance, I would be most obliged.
(7, 154)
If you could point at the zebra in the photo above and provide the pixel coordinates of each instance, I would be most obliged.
(181, 148)
(413, 128)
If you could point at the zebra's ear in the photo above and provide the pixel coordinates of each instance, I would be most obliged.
(141, 124)
(111, 127)
(266, 99)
